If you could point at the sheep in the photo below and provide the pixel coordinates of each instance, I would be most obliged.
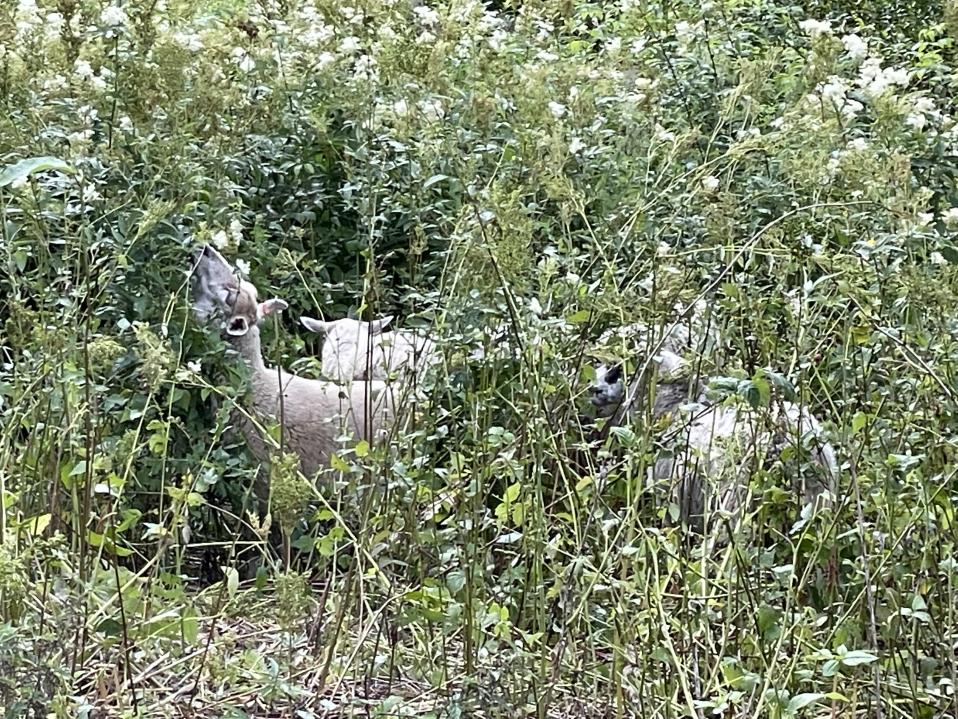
(357, 350)
(713, 442)
(716, 447)
(313, 414)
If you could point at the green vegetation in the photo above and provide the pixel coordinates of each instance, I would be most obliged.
(557, 166)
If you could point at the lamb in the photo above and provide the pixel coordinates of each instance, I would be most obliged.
(357, 350)
(314, 414)
(714, 446)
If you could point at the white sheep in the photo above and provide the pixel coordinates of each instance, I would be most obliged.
(358, 350)
(314, 415)
(713, 447)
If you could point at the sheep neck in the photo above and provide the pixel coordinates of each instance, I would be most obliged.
(249, 347)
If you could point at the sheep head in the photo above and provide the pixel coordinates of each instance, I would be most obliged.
(218, 291)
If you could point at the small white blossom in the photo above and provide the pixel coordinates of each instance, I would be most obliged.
(113, 19)
(220, 240)
(950, 216)
(924, 219)
(194, 366)
(815, 28)
(938, 259)
(349, 44)
(400, 108)
(188, 41)
(52, 84)
(710, 183)
(426, 15)
(432, 110)
(855, 47)
(242, 59)
(236, 230)
(243, 266)
(82, 69)
(325, 59)
(576, 146)
(916, 120)
(859, 144)
(557, 109)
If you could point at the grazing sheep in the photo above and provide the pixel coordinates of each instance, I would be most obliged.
(357, 350)
(714, 448)
(314, 414)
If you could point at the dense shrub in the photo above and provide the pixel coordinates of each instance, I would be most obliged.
(552, 168)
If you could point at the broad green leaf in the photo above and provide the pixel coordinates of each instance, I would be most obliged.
(800, 701)
(858, 656)
(31, 166)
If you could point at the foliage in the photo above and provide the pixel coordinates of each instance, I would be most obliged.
(515, 179)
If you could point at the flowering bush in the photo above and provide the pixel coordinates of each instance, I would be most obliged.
(554, 168)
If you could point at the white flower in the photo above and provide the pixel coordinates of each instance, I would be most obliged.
(325, 59)
(220, 240)
(236, 230)
(916, 120)
(834, 90)
(125, 124)
(242, 60)
(431, 110)
(54, 21)
(855, 46)
(317, 33)
(644, 83)
(243, 266)
(349, 44)
(557, 109)
(52, 84)
(950, 216)
(400, 108)
(81, 68)
(710, 183)
(925, 219)
(194, 366)
(576, 146)
(814, 28)
(113, 17)
(614, 45)
(497, 39)
(188, 41)
(426, 15)
(859, 144)
(938, 259)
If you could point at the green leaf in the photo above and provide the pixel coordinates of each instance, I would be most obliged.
(577, 318)
(800, 701)
(362, 448)
(31, 166)
(455, 581)
(433, 180)
(858, 422)
(858, 656)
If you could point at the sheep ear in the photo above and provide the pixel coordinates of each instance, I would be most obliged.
(270, 306)
(315, 325)
(237, 326)
(378, 325)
